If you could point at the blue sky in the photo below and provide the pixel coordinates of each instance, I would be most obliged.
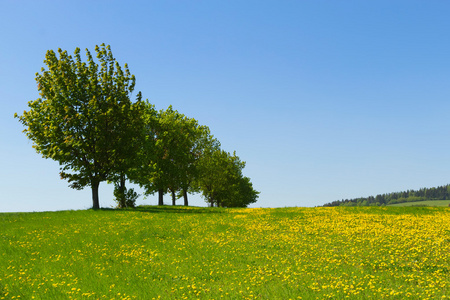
(324, 100)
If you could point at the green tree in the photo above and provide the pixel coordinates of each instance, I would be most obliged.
(169, 163)
(80, 115)
(130, 142)
(221, 181)
(174, 135)
(191, 141)
(143, 174)
(157, 173)
(241, 193)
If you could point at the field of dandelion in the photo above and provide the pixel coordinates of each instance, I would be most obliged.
(214, 253)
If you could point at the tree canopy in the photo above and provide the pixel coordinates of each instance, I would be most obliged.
(84, 118)
(86, 121)
(222, 183)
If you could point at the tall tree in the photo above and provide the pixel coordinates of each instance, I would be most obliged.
(169, 162)
(80, 116)
(198, 141)
(144, 173)
(130, 141)
(172, 135)
(157, 172)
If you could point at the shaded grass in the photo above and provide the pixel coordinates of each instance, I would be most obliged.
(210, 253)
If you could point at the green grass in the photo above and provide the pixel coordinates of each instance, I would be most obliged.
(214, 253)
(424, 203)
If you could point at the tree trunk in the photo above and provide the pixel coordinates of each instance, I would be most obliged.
(95, 201)
(185, 198)
(122, 183)
(160, 197)
(173, 197)
(122, 190)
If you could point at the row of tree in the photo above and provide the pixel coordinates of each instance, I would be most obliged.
(434, 193)
(85, 120)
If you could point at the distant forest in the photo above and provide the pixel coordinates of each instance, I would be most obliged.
(435, 193)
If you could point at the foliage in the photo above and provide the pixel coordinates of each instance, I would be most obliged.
(213, 253)
(125, 198)
(241, 194)
(222, 183)
(86, 121)
(84, 118)
(434, 193)
(177, 148)
(160, 155)
(142, 173)
(170, 161)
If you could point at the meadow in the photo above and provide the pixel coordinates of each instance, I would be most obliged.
(424, 203)
(218, 253)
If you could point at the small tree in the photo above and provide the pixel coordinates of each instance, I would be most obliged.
(221, 181)
(125, 198)
(241, 193)
(79, 119)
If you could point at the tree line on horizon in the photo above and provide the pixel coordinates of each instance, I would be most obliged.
(434, 193)
(86, 121)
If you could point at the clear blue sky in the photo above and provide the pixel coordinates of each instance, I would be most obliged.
(324, 100)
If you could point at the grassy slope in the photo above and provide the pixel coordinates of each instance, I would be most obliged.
(209, 253)
(424, 203)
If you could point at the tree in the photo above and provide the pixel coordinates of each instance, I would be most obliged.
(241, 193)
(199, 142)
(172, 147)
(221, 181)
(144, 173)
(169, 163)
(79, 119)
(130, 142)
(184, 141)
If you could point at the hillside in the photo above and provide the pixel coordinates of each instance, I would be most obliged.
(442, 203)
(434, 193)
(214, 253)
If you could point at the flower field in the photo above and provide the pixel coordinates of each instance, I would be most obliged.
(214, 253)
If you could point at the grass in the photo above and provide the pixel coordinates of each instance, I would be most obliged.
(214, 253)
(424, 203)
